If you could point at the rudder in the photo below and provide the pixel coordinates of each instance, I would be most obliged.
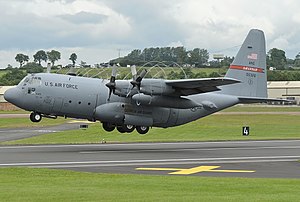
(249, 66)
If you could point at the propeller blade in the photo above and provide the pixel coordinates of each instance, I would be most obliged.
(141, 76)
(114, 71)
(137, 82)
(133, 72)
(112, 82)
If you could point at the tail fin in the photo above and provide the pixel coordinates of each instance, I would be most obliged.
(249, 67)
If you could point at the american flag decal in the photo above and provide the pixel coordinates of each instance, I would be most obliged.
(252, 56)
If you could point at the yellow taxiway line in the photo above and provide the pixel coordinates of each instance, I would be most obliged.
(198, 169)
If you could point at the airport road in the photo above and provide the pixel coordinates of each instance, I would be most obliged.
(268, 159)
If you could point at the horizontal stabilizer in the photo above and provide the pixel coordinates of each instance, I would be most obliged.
(250, 100)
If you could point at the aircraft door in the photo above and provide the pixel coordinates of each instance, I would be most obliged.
(45, 104)
(173, 117)
(57, 105)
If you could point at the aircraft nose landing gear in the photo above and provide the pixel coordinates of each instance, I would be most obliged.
(35, 117)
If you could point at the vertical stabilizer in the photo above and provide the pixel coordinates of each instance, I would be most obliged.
(249, 66)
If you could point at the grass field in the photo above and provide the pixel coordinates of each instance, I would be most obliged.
(25, 184)
(25, 122)
(214, 127)
(14, 112)
(262, 108)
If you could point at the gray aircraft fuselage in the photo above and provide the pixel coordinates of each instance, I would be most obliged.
(79, 97)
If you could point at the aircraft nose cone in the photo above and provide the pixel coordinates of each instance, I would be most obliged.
(12, 95)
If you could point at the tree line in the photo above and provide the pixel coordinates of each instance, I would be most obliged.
(197, 57)
(41, 55)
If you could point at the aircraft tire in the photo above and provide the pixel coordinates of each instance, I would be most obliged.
(129, 128)
(108, 126)
(121, 129)
(142, 129)
(35, 117)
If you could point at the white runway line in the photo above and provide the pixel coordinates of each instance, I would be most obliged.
(148, 144)
(155, 162)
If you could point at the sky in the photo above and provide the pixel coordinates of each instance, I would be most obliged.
(100, 30)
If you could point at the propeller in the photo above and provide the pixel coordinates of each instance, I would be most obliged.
(112, 82)
(136, 82)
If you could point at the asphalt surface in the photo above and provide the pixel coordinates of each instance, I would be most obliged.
(265, 159)
(7, 134)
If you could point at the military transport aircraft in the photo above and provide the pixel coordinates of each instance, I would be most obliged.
(141, 103)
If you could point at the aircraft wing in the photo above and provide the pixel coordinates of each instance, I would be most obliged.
(195, 86)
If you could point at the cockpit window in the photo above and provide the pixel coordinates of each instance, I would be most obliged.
(24, 81)
(35, 80)
(31, 80)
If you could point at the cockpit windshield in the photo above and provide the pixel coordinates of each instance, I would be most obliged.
(31, 80)
(35, 80)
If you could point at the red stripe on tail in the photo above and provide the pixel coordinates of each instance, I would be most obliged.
(245, 68)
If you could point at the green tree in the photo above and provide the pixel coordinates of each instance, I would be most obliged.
(32, 67)
(73, 58)
(297, 60)
(197, 57)
(180, 54)
(53, 56)
(12, 77)
(40, 56)
(276, 58)
(21, 58)
(9, 66)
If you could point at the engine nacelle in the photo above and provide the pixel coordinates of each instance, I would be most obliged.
(111, 112)
(156, 87)
(115, 113)
(122, 88)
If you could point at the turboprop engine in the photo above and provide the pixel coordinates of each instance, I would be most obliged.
(121, 114)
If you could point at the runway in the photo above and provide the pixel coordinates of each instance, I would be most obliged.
(267, 159)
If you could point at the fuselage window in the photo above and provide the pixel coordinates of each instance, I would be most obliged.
(31, 90)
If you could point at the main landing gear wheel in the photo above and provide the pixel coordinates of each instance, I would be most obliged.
(108, 127)
(121, 129)
(35, 117)
(125, 128)
(129, 128)
(142, 129)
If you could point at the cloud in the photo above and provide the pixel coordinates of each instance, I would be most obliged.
(84, 18)
(97, 28)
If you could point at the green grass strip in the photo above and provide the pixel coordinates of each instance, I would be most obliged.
(211, 128)
(25, 122)
(27, 184)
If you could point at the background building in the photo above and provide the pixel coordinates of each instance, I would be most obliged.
(285, 89)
